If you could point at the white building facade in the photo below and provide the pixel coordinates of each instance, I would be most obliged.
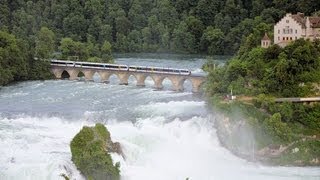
(295, 26)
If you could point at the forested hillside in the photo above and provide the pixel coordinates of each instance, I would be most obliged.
(91, 29)
(188, 26)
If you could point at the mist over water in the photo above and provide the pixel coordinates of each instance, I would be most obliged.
(164, 134)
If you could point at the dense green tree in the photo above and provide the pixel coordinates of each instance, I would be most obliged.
(212, 41)
(4, 14)
(106, 52)
(45, 43)
(157, 21)
(13, 61)
(277, 129)
(135, 41)
(183, 41)
(69, 48)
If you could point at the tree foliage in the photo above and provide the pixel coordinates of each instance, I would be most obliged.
(45, 43)
(285, 72)
(155, 23)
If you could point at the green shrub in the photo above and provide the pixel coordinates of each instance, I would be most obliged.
(279, 131)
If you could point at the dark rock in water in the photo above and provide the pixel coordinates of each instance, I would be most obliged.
(90, 150)
(116, 148)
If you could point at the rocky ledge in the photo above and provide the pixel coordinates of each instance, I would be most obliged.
(237, 136)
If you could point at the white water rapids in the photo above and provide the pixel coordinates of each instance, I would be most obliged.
(164, 135)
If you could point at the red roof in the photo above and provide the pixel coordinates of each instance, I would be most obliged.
(315, 22)
(266, 37)
(300, 19)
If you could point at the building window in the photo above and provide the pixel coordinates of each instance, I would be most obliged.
(287, 30)
(290, 38)
(283, 38)
(287, 38)
(278, 31)
(296, 31)
(287, 21)
(278, 38)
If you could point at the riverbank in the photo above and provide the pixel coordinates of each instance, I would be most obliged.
(244, 130)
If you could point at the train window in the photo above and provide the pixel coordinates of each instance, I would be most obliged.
(111, 66)
(58, 62)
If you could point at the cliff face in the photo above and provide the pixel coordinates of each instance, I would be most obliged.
(239, 137)
(90, 150)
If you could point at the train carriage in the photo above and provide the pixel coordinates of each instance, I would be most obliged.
(120, 67)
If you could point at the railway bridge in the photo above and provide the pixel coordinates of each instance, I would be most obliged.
(176, 79)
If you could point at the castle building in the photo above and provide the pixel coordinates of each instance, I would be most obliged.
(294, 26)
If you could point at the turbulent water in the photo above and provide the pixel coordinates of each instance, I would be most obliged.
(164, 135)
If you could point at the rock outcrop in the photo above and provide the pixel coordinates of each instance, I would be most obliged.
(90, 150)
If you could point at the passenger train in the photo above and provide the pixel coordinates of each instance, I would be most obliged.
(120, 67)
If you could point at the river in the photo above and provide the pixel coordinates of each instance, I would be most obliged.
(165, 135)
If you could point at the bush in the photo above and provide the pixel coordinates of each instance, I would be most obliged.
(279, 131)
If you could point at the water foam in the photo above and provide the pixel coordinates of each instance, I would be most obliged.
(159, 150)
(171, 109)
(158, 144)
(36, 148)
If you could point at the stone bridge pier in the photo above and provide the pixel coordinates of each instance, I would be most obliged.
(140, 79)
(123, 77)
(88, 74)
(104, 76)
(158, 79)
(57, 72)
(177, 82)
(196, 83)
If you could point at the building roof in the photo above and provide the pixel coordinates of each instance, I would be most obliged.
(315, 22)
(300, 19)
(266, 37)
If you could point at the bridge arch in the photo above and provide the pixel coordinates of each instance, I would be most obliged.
(96, 77)
(80, 74)
(149, 82)
(65, 75)
(187, 84)
(113, 78)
